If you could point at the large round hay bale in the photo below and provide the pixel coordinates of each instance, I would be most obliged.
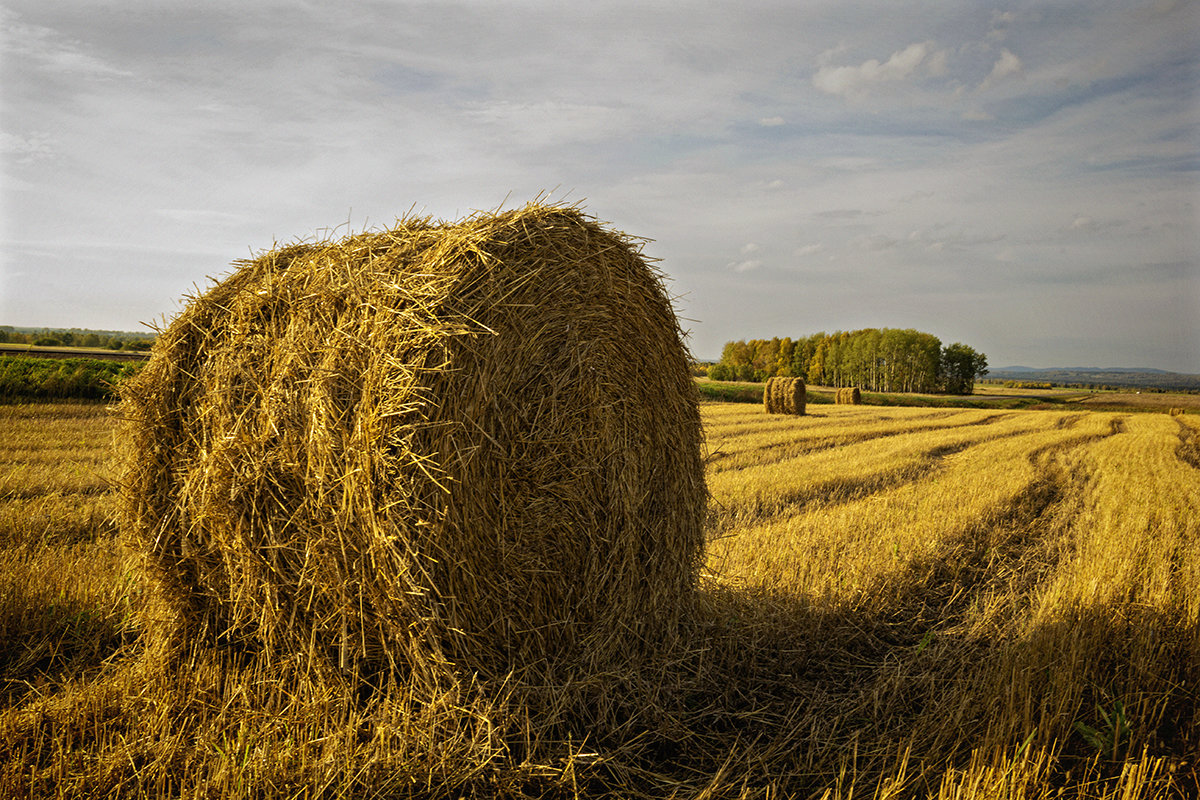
(471, 446)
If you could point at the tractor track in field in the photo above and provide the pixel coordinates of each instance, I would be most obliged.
(943, 585)
(917, 637)
(793, 449)
(1188, 450)
(827, 494)
(867, 674)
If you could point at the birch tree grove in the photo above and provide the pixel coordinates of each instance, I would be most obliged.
(873, 359)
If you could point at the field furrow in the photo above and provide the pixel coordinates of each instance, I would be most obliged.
(839, 474)
(1188, 450)
(791, 437)
(860, 551)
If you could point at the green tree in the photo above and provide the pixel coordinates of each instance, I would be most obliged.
(961, 365)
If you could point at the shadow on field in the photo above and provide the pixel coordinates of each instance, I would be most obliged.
(777, 692)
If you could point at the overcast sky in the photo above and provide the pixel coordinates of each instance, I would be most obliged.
(1023, 177)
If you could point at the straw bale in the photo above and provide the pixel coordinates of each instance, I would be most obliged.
(794, 396)
(438, 448)
(848, 395)
(784, 396)
(769, 395)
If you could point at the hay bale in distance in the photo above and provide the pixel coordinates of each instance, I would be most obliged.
(441, 448)
(785, 396)
(1176, 412)
(848, 395)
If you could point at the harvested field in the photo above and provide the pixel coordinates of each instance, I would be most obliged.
(978, 604)
(1159, 401)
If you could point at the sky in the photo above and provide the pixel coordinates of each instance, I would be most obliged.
(1022, 177)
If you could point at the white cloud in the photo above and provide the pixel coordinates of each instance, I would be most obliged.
(51, 50)
(809, 250)
(771, 122)
(937, 64)
(856, 81)
(551, 122)
(195, 216)
(1008, 64)
(26, 149)
(1000, 22)
(745, 266)
(749, 247)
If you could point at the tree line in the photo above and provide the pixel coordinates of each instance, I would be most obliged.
(873, 359)
(47, 337)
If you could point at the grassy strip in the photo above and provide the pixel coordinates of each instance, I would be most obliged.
(24, 378)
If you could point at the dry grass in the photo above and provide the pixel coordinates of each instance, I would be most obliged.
(1161, 401)
(961, 630)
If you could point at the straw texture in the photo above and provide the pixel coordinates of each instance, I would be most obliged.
(438, 449)
(848, 395)
(784, 396)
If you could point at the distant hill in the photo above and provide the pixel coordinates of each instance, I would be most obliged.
(1138, 370)
(1117, 377)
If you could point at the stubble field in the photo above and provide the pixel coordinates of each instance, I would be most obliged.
(897, 602)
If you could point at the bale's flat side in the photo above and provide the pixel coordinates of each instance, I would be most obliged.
(796, 396)
(465, 447)
(784, 396)
(780, 393)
